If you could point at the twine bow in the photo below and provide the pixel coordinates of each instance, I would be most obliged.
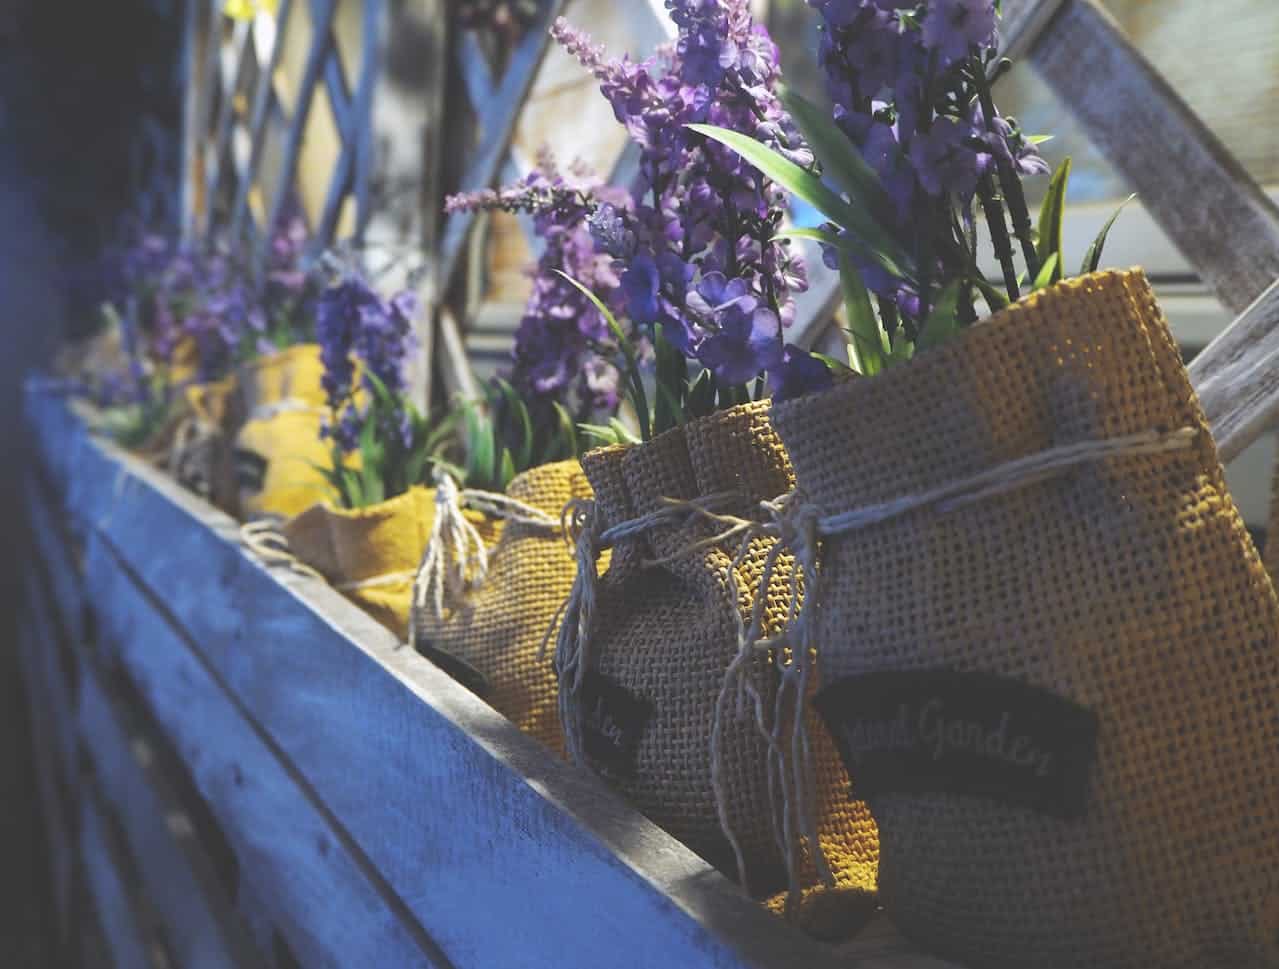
(798, 527)
(264, 540)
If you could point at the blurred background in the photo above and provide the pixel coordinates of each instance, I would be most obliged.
(167, 115)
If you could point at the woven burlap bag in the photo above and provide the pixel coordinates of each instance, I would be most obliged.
(667, 633)
(194, 444)
(497, 626)
(368, 554)
(1128, 585)
(278, 450)
(1271, 556)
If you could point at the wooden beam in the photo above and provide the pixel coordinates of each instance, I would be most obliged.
(124, 925)
(176, 873)
(497, 125)
(1237, 377)
(1196, 190)
(314, 887)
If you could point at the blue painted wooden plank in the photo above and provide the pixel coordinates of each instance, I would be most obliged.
(57, 823)
(177, 876)
(52, 539)
(124, 926)
(496, 847)
(58, 670)
(315, 889)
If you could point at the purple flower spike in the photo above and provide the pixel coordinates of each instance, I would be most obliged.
(746, 345)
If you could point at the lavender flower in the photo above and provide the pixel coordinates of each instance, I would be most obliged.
(354, 323)
(954, 29)
(561, 336)
(699, 255)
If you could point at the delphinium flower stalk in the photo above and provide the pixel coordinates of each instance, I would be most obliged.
(700, 263)
(911, 87)
(355, 326)
(564, 350)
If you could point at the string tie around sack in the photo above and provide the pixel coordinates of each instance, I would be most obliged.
(285, 405)
(264, 540)
(455, 560)
(798, 527)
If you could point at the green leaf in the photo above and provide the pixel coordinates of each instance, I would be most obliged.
(623, 432)
(832, 364)
(479, 447)
(1092, 260)
(1048, 272)
(841, 162)
(903, 348)
(995, 297)
(508, 471)
(523, 424)
(1037, 139)
(867, 350)
(878, 244)
(845, 243)
(639, 398)
(701, 396)
(672, 383)
(605, 435)
(567, 432)
(943, 321)
(1051, 217)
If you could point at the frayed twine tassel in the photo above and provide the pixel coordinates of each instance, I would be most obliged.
(572, 624)
(455, 560)
(790, 769)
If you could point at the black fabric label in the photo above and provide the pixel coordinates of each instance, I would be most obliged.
(459, 669)
(613, 721)
(938, 731)
(250, 470)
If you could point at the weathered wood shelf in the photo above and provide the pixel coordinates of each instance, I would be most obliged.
(248, 771)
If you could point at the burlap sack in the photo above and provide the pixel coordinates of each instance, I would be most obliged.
(369, 554)
(1127, 585)
(664, 636)
(492, 636)
(1271, 555)
(194, 444)
(278, 451)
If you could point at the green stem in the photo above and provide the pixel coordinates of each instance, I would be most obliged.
(999, 240)
(1009, 182)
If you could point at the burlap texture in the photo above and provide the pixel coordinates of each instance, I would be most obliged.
(278, 451)
(498, 627)
(668, 634)
(1129, 586)
(376, 548)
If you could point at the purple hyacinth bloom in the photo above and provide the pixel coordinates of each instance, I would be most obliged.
(642, 285)
(953, 29)
(746, 344)
(716, 293)
(798, 373)
(945, 162)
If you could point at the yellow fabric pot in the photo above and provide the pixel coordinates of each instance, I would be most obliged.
(491, 638)
(278, 451)
(369, 554)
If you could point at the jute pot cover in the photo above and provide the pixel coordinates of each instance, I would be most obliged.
(664, 632)
(1057, 684)
(278, 450)
(368, 554)
(491, 636)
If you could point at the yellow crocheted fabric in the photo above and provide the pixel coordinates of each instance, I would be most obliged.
(369, 554)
